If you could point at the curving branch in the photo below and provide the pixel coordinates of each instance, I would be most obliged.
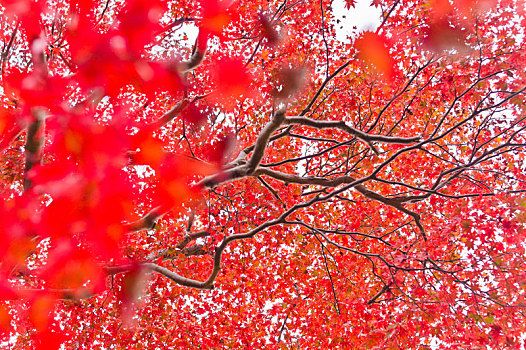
(198, 54)
(171, 114)
(384, 289)
(340, 124)
(242, 167)
(191, 236)
(147, 222)
(334, 182)
(262, 140)
(151, 267)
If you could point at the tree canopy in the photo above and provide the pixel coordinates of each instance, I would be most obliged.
(227, 174)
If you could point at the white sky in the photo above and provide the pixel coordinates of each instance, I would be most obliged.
(363, 16)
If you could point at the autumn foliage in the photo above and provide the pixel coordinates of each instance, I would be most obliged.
(262, 184)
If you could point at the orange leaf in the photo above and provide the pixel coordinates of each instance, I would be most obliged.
(372, 50)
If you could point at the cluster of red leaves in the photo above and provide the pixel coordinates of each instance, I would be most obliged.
(451, 22)
(80, 196)
(112, 59)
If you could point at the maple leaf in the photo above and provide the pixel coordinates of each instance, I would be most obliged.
(9, 127)
(269, 31)
(175, 175)
(36, 89)
(7, 292)
(349, 4)
(131, 289)
(221, 149)
(440, 36)
(140, 23)
(290, 81)
(193, 114)
(151, 150)
(215, 15)
(109, 59)
(372, 50)
(232, 81)
(72, 268)
(50, 338)
(28, 12)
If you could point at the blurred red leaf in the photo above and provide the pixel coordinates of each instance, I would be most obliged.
(9, 127)
(95, 210)
(215, 16)
(19, 219)
(5, 320)
(109, 62)
(175, 175)
(441, 35)
(373, 50)
(268, 30)
(151, 151)
(28, 12)
(42, 306)
(74, 270)
(193, 114)
(132, 287)
(445, 8)
(81, 140)
(140, 23)
(219, 151)
(289, 82)
(36, 89)
(232, 81)
(7, 292)
(50, 338)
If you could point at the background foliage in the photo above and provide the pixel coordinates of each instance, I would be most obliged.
(268, 186)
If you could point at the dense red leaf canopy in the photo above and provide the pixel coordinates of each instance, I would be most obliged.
(263, 184)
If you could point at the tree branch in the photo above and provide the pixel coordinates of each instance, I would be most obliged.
(198, 54)
(147, 222)
(340, 124)
(262, 140)
(183, 281)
